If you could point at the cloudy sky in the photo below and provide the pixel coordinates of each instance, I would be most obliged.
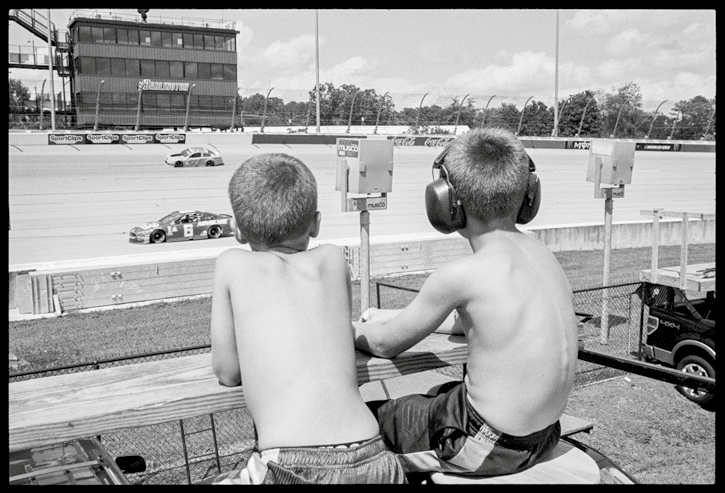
(509, 54)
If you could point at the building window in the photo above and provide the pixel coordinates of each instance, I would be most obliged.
(133, 37)
(205, 103)
(230, 44)
(204, 71)
(178, 102)
(148, 68)
(166, 39)
(133, 67)
(122, 35)
(190, 70)
(208, 42)
(188, 40)
(109, 35)
(85, 35)
(217, 72)
(118, 66)
(177, 40)
(199, 41)
(176, 70)
(145, 38)
(230, 72)
(162, 68)
(103, 66)
(88, 65)
(164, 102)
(219, 43)
(155, 38)
(149, 101)
(97, 34)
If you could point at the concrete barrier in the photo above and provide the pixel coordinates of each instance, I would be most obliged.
(71, 286)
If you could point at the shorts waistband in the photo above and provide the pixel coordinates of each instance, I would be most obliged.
(340, 454)
(478, 427)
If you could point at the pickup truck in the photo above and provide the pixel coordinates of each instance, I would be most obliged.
(679, 332)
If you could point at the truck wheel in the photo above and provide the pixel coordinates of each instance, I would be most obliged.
(698, 366)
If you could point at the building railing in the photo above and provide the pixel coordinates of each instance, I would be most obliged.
(153, 19)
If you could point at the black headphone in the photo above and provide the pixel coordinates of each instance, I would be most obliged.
(444, 208)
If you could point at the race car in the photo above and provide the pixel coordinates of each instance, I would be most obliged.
(182, 225)
(195, 156)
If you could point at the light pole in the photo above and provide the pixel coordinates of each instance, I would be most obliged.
(234, 109)
(352, 106)
(674, 124)
(317, 67)
(458, 115)
(709, 121)
(654, 117)
(264, 111)
(380, 107)
(42, 100)
(98, 104)
(581, 122)
(555, 132)
(419, 107)
(138, 108)
(614, 132)
(485, 112)
(521, 118)
(556, 80)
(307, 122)
(188, 104)
(50, 75)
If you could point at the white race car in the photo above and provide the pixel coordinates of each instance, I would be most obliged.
(195, 156)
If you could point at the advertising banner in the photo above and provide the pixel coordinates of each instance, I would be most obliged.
(421, 141)
(644, 146)
(66, 139)
(170, 138)
(577, 144)
(107, 138)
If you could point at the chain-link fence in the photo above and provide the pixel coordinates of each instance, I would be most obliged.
(194, 450)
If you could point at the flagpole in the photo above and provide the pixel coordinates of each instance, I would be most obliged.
(317, 68)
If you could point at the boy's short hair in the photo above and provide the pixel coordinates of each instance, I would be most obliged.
(489, 169)
(273, 197)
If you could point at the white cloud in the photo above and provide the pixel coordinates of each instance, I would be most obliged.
(526, 69)
(626, 42)
(290, 55)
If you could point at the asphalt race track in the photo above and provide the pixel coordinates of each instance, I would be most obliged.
(80, 202)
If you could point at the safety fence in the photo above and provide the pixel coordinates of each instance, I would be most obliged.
(194, 450)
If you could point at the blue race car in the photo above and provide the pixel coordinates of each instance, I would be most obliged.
(182, 225)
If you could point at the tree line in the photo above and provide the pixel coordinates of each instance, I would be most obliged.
(615, 114)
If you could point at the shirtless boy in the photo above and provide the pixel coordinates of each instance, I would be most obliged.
(512, 301)
(281, 325)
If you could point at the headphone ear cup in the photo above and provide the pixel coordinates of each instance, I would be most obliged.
(444, 214)
(532, 200)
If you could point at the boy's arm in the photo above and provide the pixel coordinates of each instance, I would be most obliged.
(440, 295)
(224, 357)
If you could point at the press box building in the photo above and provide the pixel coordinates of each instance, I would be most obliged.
(114, 61)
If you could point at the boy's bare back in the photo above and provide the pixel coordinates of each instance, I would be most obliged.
(517, 312)
(294, 342)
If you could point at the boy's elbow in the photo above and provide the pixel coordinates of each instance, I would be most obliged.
(229, 380)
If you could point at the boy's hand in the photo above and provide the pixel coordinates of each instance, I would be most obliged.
(378, 315)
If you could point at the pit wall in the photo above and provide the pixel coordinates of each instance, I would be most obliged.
(274, 136)
(78, 286)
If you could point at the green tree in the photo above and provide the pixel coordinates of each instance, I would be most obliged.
(621, 111)
(578, 106)
(19, 94)
(507, 116)
(538, 120)
(694, 118)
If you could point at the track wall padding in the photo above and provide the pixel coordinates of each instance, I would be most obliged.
(82, 288)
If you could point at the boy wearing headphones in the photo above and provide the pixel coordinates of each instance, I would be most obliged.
(514, 304)
(281, 324)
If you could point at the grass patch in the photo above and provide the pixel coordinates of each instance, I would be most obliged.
(82, 337)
